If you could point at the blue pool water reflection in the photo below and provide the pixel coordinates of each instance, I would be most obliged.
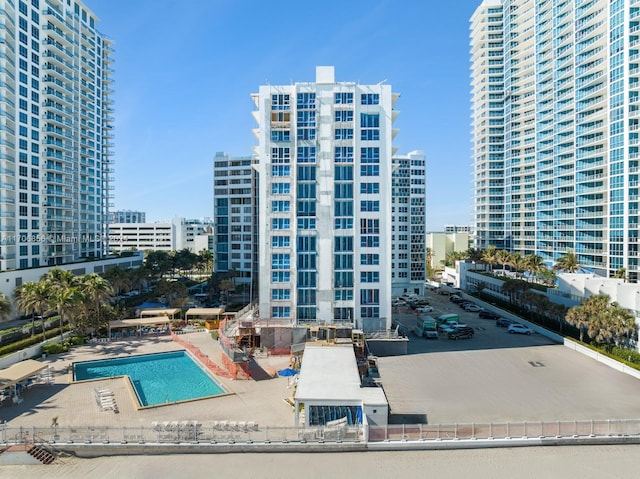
(161, 378)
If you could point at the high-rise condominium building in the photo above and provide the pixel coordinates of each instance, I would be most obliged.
(408, 213)
(324, 161)
(556, 115)
(235, 202)
(55, 140)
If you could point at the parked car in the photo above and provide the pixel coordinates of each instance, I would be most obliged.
(504, 322)
(462, 332)
(424, 309)
(484, 314)
(517, 328)
(454, 298)
(472, 308)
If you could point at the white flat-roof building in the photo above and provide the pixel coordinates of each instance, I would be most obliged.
(329, 389)
(127, 216)
(175, 235)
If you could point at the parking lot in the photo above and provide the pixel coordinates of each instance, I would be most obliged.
(496, 376)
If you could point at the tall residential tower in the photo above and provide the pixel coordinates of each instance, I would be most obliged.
(235, 203)
(556, 116)
(408, 210)
(55, 139)
(325, 168)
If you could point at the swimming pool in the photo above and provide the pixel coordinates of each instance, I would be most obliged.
(157, 379)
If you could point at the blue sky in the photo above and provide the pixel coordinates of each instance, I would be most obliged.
(185, 69)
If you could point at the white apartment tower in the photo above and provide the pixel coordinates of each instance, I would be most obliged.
(556, 115)
(408, 223)
(324, 161)
(235, 220)
(55, 140)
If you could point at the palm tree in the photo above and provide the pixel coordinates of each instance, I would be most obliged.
(474, 255)
(579, 317)
(5, 307)
(502, 258)
(510, 288)
(515, 260)
(97, 289)
(534, 264)
(557, 312)
(64, 293)
(489, 256)
(568, 262)
(63, 300)
(25, 296)
(119, 279)
(205, 260)
(621, 273)
(613, 325)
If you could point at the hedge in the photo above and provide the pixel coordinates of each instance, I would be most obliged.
(30, 341)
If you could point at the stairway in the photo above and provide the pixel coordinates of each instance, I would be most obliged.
(42, 455)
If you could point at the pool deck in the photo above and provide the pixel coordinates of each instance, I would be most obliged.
(74, 404)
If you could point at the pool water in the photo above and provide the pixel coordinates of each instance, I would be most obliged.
(161, 378)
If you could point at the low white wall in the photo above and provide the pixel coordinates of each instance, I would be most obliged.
(569, 343)
(601, 358)
(28, 353)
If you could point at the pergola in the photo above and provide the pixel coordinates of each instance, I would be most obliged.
(212, 316)
(18, 372)
(139, 323)
(170, 313)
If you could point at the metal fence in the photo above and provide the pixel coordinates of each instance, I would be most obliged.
(508, 430)
(222, 432)
(180, 433)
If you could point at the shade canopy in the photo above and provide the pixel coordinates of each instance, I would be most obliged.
(287, 372)
(138, 322)
(160, 312)
(20, 371)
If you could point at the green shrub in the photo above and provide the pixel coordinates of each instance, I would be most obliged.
(54, 348)
(627, 355)
(214, 335)
(77, 340)
(26, 342)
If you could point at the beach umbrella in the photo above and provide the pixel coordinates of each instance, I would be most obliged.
(287, 372)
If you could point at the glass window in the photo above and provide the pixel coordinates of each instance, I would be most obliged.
(343, 98)
(306, 154)
(281, 312)
(280, 206)
(343, 154)
(344, 134)
(280, 223)
(280, 261)
(280, 170)
(370, 259)
(369, 99)
(280, 188)
(280, 294)
(280, 276)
